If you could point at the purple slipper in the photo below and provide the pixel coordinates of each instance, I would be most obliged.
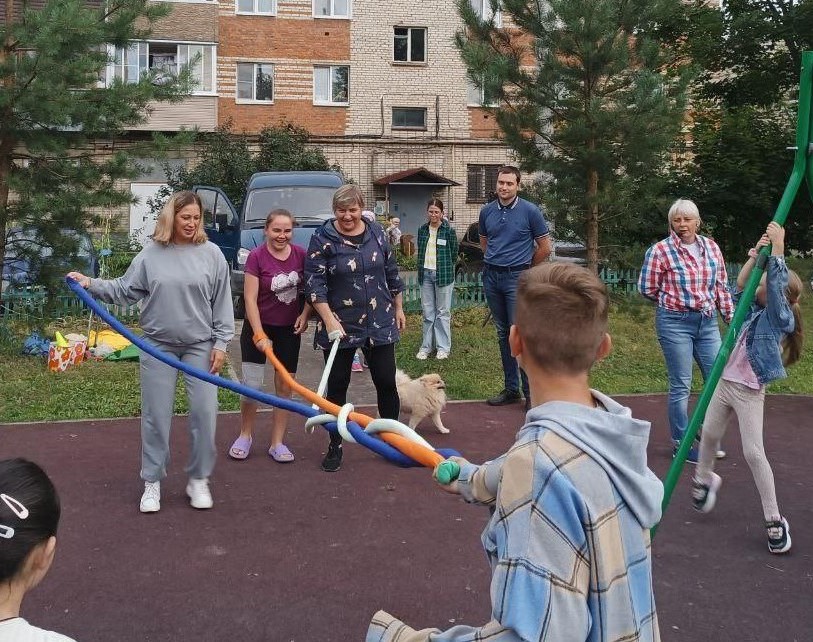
(240, 448)
(281, 454)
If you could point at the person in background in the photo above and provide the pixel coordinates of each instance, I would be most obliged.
(771, 338)
(514, 236)
(29, 516)
(182, 281)
(685, 275)
(273, 292)
(394, 232)
(437, 254)
(352, 281)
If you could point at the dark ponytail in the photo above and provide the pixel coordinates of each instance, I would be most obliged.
(29, 513)
(793, 342)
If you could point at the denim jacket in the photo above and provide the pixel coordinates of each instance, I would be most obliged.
(766, 327)
(358, 282)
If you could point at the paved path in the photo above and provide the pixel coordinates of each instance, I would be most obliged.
(292, 553)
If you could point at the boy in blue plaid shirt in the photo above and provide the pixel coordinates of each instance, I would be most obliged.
(573, 499)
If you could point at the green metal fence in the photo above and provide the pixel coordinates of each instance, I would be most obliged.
(468, 293)
(28, 305)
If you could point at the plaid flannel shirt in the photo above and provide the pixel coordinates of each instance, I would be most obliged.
(569, 559)
(446, 254)
(678, 281)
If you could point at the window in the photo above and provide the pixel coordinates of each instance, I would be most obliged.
(409, 44)
(481, 182)
(484, 11)
(262, 7)
(480, 96)
(331, 8)
(331, 85)
(165, 60)
(255, 82)
(408, 118)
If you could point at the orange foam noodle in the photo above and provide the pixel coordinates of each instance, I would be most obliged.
(421, 454)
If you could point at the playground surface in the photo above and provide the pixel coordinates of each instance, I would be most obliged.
(290, 553)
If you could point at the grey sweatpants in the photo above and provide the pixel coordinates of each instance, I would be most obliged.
(158, 382)
(747, 405)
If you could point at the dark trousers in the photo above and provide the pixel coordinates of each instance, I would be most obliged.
(381, 361)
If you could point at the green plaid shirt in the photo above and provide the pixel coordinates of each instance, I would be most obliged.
(446, 254)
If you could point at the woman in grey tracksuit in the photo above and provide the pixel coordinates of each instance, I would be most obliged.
(182, 282)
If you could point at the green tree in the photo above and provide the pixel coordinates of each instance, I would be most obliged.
(750, 52)
(55, 110)
(592, 93)
(227, 159)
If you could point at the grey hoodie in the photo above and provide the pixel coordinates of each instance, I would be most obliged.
(184, 291)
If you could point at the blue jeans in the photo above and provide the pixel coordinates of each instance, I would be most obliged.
(501, 295)
(685, 336)
(436, 303)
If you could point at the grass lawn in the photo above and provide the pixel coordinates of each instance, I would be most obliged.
(29, 392)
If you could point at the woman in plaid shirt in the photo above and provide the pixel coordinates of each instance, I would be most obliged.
(437, 253)
(685, 275)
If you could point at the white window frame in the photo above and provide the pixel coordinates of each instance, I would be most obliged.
(255, 11)
(409, 60)
(331, 102)
(332, 15)
(408, 128)
(481, 92)
(143, 55)
(483, 9)
(254, 100)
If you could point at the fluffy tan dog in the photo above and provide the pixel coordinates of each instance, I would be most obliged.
(423, 397)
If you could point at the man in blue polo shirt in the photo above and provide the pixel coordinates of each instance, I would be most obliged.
(514, 236)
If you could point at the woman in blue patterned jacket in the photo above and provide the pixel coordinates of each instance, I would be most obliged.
(351, 279)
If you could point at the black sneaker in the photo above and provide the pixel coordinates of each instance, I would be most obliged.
(704, 496)
(333, 459)
(691, 458)
(504, 398)
(778, 536)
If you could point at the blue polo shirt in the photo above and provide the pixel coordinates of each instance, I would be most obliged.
(511, 230)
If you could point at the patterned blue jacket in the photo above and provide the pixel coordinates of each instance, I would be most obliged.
(358, 282)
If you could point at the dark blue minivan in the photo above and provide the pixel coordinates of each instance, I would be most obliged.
(307, 195)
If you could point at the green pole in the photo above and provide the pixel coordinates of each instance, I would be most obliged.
(801, 170)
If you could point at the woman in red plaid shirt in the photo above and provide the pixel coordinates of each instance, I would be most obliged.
(685, 275)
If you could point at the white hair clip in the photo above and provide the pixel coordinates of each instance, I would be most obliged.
(15, 506)
(7, 532)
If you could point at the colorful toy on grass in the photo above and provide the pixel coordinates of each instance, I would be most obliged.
(388, 438)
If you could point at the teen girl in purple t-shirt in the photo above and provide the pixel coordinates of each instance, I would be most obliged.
(274, 308)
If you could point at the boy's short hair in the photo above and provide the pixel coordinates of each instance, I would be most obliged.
(561, 315)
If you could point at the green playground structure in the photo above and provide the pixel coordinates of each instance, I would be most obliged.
(802, 169)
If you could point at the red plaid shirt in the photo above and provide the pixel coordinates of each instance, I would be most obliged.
(680, 282)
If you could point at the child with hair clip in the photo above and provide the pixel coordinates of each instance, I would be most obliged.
(770, 339)
(29, 515)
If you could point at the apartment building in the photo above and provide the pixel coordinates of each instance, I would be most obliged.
(381, 88)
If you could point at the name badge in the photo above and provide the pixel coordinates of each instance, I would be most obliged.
(441, 241)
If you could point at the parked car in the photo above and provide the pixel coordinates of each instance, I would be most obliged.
(26, 253)
(470, 257)
(307, 195)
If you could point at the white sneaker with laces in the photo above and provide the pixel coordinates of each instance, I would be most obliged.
(422, 355)
(442, 354)
(198, 492)
(151, 499)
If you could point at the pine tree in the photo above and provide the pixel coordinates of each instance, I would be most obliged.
(591, 92)
(61, 155)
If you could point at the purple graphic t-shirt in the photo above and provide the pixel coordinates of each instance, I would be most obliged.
(281, 283)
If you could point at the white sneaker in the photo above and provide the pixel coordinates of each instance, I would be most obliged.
(151, 499)
(422, 355)
(442, 354)
(198, 492)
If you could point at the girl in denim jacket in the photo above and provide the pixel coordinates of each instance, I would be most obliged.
(771, 338)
